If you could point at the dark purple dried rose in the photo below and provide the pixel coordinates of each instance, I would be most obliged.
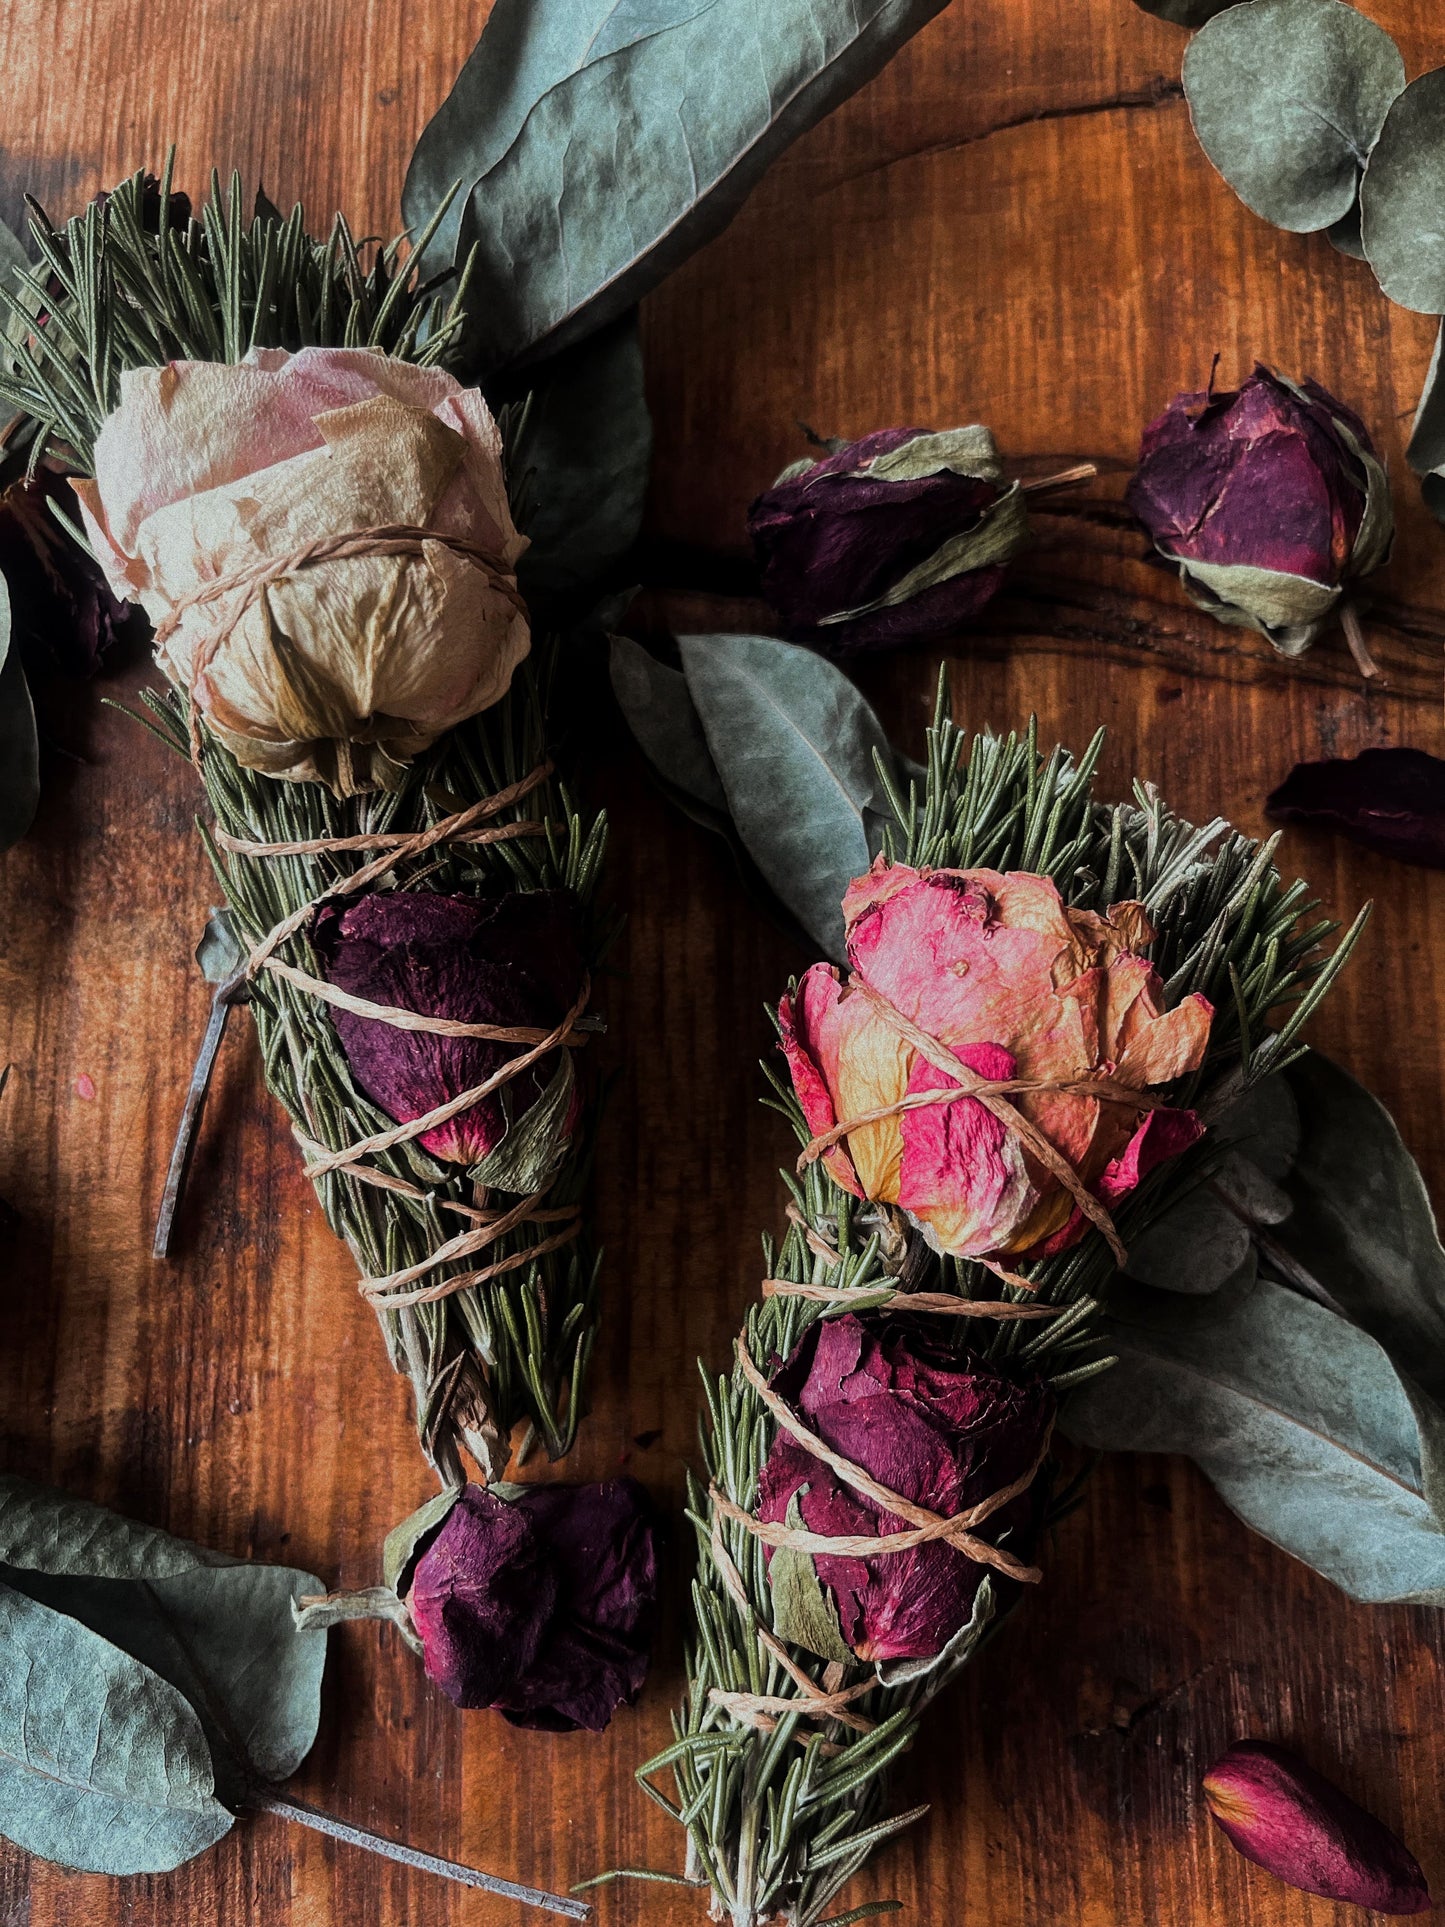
(1268, 500)
(508, 960)
(63, 615)
(1391, 800)
(1284, 1816)
(942, 1430)
(893, 539)
(540, 1605)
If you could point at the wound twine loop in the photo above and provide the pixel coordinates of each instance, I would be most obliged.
(872, 1298)
(401, 1289)
(994, 1095)
(251, 583)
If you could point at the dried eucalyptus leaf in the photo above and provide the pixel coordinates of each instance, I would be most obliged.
(1344, 234)
(1300, 1421)
(406, 1542)
(533, 1145)
(1184, 13)
(581, 460)
(793, 742)
(1401, 196)
(220, 953)
(19, 743)
(46, 1531)
(1264, 1125)
(663, 717)
(225, 1638)
(801, 1609)
(1287, 98)
(1362, 1222)
(104, 1765)
(1195, 1246)
(600, 142)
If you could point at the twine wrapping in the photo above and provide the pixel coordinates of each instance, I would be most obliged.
(400, 1289)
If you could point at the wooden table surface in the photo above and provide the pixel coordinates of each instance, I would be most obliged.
(1015, 225)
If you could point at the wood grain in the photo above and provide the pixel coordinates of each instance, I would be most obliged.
(1013, 224)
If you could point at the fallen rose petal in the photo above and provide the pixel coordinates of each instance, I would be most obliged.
(1390, 800)
(1287, 1818)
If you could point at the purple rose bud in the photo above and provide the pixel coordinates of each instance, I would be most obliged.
(1285, 1817)
(540, 1605)
(1268, 501)
(939, 1428)
(897, 538)
(507, 960)
(63, 615)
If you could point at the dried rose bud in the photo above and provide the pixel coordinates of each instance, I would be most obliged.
(510, 960)
(63, 616)
(540, 1604)
(1015, 984)
(344, 669)
(1285, 1817)
(896, 538)
(1269, 501)
(936, 1427)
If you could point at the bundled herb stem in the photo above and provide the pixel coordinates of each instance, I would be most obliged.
(780, 1757)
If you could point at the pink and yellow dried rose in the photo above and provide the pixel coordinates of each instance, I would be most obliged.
(993, 975)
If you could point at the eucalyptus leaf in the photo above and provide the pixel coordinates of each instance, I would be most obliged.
(19, 743)
(1401, 196)
(1288, 98)
(581, 460)
(220, 953)
(104, 1765)
(1195, 1246)
(1300, 1421)
(1344, 234)
(662, 716)
(802, 1611)
(600, 142)
(1426, 449)
(1362, 1223)
(43, 1530)
(794, 743)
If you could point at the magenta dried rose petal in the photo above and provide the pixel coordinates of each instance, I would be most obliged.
(541, 1605)
(865, 550)
(1285, 1817)
(509, 960)
(481, 1598)
(942, 1430)
(1267, 499)
(1390, 800)
(63, 615)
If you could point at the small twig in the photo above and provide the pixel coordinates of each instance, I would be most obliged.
(1066, 478)
(270, 1802)
(227, 995)
(1355, 637)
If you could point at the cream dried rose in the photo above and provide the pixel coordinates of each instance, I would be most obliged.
(341, 670)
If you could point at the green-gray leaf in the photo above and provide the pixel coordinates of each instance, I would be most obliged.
(1299, 1419)
(1401, 195)
(19, 744)
(533, 1144)
(1289, 609)
(793, 742)
(406, 1542)
(1362, 1224)
(581, 460)
(662, 716)
(47, 1531)
(220, 953)
(1287, 98)
(1426, 450)
(103, 1764)
(802, 1611)
(602, 141)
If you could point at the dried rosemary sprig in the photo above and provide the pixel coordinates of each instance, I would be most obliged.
(780, 1808)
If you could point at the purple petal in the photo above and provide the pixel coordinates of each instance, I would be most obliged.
(1390, 800)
